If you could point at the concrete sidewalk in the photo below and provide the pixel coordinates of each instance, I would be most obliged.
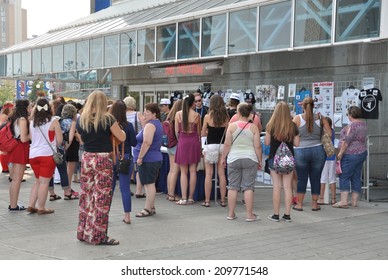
(195, 232)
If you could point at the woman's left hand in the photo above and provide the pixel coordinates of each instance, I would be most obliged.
(139, 161)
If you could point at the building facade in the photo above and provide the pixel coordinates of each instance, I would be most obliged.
(13, 23)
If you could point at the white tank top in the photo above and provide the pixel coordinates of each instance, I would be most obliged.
(39, 146)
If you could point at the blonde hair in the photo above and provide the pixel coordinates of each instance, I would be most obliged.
(280, 125)
(94, 112)
(130, 102)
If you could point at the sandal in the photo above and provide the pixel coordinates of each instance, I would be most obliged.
(206, 204)
(17, 208)
(54, 197)
(141, 195)
(339, 205)
(109, 242)
(172, 198)
(182, 202)
(333, 201)
(223, 204)
(127, 222)
(190, 201)
(144, 213)
(153, 210)
(70, 196)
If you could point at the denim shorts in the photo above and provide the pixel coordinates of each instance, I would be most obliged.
(149, 171)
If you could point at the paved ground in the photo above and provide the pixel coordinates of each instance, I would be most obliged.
(196, 232)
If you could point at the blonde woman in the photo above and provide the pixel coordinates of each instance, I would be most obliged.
(214, 127)
(280, 128)
(96, 126)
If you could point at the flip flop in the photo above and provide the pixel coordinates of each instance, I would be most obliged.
(316, 209)
(297, 209)
(109, 242)
(256, 218)
(338, 205)
(141, 195)
(231, 217)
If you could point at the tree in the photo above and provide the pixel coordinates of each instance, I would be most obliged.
(7, 92)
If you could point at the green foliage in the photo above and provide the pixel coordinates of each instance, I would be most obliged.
(7, 92)
(37, 90)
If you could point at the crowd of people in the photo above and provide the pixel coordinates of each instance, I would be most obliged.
(88, 136)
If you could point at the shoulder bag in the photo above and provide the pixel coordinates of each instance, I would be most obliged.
(326, 141)
(58, 157)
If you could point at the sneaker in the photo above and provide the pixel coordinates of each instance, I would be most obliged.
(274, 218)
(286, 218)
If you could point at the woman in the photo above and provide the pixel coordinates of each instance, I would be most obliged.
(5, 112)
(18, 157)
(96, 126)
(136, 119)
(148, 156)
(118, 111)
(68, 115)
(243, 148)
(280, 128)
(214, 127)
(352, 154)
(174, 168)
(188, 153)
(310, 155)
(45, 134)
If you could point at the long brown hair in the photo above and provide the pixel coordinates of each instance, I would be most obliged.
(217, 110)
(188, 102)
(308, 106)
(280, 125)
(177, 106)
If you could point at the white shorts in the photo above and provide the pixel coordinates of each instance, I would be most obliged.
(328, 173)
(212, 152)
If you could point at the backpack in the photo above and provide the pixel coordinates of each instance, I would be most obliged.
(169, 139)
(284, 161)
(7, 141)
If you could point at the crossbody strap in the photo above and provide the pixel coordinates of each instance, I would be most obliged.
(240, 131)
(47, 140)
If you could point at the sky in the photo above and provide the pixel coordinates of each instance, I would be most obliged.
(43, 15)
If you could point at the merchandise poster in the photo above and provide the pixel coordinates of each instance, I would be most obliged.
(368, 83)
(337, 105)
(281, 90)
(265, 97)
(337, 120)
(291, 90)
(323, 95)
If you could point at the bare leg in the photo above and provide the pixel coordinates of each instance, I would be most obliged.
(248, 197)
(333, 190)
(172, 178)
(193, 180)
(14, 189)
(355, 196)
(184, 181)
(150, 198)
(222, 180)
(42, 192)
(322, 193)
(208, 180)
(232, 201)
(277, 185)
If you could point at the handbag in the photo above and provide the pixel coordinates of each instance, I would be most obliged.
(266, 166)
(213, 155)
(58, 157)
(201, 165)
(326, 142)
(338, 168)
(122, 163)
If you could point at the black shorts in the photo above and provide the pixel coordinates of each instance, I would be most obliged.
(72, 151)
(148, 172)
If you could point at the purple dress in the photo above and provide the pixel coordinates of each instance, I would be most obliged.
(189, 148)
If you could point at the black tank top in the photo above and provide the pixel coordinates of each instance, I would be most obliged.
(214, 134)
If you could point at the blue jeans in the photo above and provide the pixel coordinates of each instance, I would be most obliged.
(309, 164)
(125, 183)
(351, 172)
(62, 169)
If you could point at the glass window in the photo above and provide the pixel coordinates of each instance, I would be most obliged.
(58, 58)
(37, 61)
(26, 62)
(242, 31)
(69, 56)
(275, 26)
(188, 39)
(357, 19)
(3, 65)
(17, 70)
(166, 42)
(214, 35)
(46, 60)
(111, 50)
(128, 48)
(9, 65)
(82, 55)
(312, 22)
(146, 45)
(96, 53)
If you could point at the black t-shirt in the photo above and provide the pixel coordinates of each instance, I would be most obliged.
(232, 112)
(370, 103)
(97, 141)
(276, 143)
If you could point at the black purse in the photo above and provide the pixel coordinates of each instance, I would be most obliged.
(123, 163)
